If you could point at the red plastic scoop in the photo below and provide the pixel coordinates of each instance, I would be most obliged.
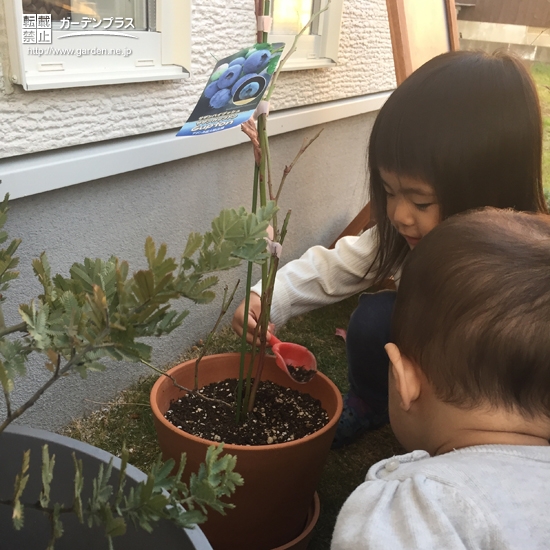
(297, 361)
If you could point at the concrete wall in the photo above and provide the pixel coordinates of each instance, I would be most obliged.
(530, 43)
(503, 33)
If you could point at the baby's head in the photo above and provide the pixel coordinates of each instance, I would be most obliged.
(468, 125)
(471, 331)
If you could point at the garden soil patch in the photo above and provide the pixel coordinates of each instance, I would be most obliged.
(280, 415)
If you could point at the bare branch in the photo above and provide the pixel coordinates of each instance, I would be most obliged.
(249, 128)
(183, 388)
(58, 374)
(225, 306)
(305, 144)
(8, 401)
(21, 327)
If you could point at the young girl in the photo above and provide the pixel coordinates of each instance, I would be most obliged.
(463, 131)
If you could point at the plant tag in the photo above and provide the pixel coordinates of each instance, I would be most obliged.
(275, 249)
(234, 90)
(261, 109)
(264, 23)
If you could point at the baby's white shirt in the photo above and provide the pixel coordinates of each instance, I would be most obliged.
(487, 497)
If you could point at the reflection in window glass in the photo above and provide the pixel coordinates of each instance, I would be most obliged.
(99, 15)
(290, 16)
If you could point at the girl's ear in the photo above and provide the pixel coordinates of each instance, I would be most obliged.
(406, 375)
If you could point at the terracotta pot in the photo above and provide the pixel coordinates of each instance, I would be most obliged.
(271, 508)
(302, 540)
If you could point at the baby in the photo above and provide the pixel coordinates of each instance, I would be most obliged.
(469, 395)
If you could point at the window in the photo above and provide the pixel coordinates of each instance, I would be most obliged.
(67, 43)
(317, 47)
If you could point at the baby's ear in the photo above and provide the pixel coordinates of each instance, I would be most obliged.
(406, 375)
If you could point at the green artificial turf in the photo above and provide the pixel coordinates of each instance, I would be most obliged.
(541, 76)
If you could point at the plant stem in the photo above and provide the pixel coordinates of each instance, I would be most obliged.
(239, 393)
(262, 183)
(239, 396)
(292, 50)
(225, 306)
(2, 321)
(261, 128)
(58, 374)
(266, 306)
(8, 401)
(21, 327)
(268, 270)
(183, 388)
(264, 146)
(267, 11)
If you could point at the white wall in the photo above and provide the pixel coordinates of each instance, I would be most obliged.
(45, 120)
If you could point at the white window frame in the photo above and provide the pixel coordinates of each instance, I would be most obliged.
(315, 51)
(164, 54)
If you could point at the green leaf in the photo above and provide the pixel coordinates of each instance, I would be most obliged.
(101, 492)
(78, 485)
(5, 379)
(215, 479)
(79, 274)
(57, 526)
(42, 270)
(114, 527)
(47, 476)
(37, 323)
(20, 483)
(194, 242)
(266, 213)
(122, 475)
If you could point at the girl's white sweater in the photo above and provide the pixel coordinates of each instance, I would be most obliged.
(322, 277)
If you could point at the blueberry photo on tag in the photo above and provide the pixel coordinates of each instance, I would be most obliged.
(234, 89)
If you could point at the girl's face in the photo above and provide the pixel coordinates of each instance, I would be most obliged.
(411, 206)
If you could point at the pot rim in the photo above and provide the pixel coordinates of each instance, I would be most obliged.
(232, 447)
(313, 518)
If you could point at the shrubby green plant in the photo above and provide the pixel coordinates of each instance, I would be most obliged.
(101, 312)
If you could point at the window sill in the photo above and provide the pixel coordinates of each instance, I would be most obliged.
(35, 173)
(53, 79)
(304, 64)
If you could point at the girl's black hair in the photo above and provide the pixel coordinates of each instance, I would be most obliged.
(467, 123)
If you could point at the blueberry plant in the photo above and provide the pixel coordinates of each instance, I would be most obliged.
(101, 311)
(264, 192)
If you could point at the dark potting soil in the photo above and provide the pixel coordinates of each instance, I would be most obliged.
(280, 415)
(301, 374)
